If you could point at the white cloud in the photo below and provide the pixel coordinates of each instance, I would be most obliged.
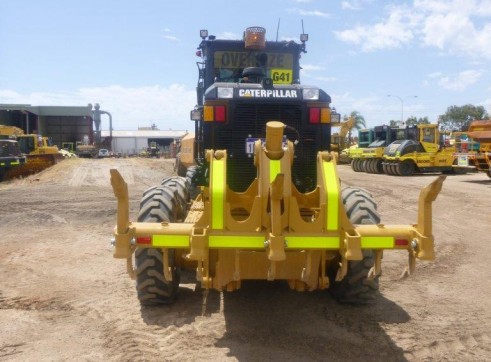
(458, 27)
(130, 107)
(229, 36)
(392, 33)
(435, 75)
(351, 5)
(310, 67)
(462, 81)
(170, 37)
(309, 13)
(326, 79)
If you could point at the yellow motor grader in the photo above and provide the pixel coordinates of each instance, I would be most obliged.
(270, 204)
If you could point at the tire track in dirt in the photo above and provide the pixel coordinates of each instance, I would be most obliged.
(78, 176)
(8, 351)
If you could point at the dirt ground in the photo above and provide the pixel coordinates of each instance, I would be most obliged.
(63, 297)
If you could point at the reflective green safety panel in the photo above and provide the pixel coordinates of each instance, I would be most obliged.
(236, 242)
(331, 186)
(217, 193)
(376, 242)
(274, 169)
(312, 242)
(170, 241)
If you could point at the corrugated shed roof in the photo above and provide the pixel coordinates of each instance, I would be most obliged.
(146, 134)
(76, 111)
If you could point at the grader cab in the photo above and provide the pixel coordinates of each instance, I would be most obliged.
(269, 204)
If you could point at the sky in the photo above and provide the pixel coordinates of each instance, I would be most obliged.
(137, 58)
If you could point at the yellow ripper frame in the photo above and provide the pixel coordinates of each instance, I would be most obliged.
(272, 231)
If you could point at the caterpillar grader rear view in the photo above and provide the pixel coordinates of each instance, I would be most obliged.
(267, 202)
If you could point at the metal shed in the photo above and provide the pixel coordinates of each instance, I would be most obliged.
(133, 142)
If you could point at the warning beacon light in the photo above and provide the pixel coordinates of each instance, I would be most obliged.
(255, 38)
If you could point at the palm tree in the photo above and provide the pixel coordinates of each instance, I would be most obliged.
(358, 123)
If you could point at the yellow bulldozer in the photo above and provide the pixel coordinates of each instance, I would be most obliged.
(269, 205)
(38, 151)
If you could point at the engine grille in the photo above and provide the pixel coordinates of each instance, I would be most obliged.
(249, 120)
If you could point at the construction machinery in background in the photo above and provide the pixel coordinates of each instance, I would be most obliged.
(10, 156)
(153, 150)
(37, 150)
(270, 204)
(426, 152)
(338, 139)
(365, 137)
(185, 155)
(369, 158)
(85, 149)
(480, 131)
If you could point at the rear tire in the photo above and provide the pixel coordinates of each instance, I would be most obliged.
(406, 168)
(179, 185)
(158, 204)
(356, 288)
(193, 188)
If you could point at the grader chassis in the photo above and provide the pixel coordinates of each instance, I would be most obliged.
(271, 231)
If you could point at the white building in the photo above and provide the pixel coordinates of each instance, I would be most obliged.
(133, 142)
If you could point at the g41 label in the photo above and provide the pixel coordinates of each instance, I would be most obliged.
(282, 76)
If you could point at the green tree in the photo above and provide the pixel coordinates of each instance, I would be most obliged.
(413, 121)
(359, 123)
(458, 118)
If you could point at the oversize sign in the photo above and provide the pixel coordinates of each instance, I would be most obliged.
(234, 60)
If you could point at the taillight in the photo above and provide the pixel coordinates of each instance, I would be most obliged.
(401, 242)
(220, 113)
(319, 115)
(325, 115)
(144, 240)
(314, 115)
(215, 113)
(208, 114)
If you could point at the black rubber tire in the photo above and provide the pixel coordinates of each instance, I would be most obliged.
(406, 168)
(358, 165)
(356, 288)
(378, 166)
(193, 188)
(157, 205)
(393, 169)
(354, 163)
(179, 169)
(364, 165)
(179, 185)
(372, 165)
